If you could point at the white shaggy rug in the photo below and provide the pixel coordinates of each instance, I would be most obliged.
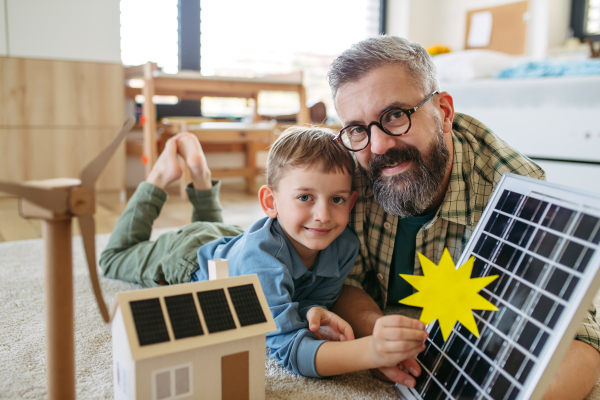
(23, 339)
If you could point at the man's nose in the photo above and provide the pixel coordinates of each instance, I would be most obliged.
(381, 142)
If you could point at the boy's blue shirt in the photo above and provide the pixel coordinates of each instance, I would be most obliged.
(290, 289)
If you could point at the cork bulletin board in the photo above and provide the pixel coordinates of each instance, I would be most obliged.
(509, 28)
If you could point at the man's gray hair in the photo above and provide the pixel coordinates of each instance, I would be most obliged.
(363, 57)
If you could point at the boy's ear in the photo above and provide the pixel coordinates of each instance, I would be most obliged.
(353, 198)
(266, 196)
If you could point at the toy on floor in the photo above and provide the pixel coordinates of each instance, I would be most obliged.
(448, 294)
(196, 340)
(56, 202)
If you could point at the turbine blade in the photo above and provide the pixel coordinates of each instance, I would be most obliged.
(53, 200)
(92, 171)
(87, 227)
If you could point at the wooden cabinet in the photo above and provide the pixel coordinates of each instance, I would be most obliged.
(55, 116)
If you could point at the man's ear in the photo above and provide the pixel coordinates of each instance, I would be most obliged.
(446, 106)
(353, 198)
(266, 196)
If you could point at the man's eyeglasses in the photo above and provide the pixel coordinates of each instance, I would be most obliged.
(394, 121)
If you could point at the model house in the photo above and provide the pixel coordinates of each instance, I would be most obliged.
(198, 340)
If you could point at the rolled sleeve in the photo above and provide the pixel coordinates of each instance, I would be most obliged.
(589, 330)
(307, 353)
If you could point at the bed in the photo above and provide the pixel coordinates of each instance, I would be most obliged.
(554, 120)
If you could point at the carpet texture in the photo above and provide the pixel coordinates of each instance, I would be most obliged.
(23, 339)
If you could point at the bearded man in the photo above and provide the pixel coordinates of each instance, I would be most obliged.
(425, 174)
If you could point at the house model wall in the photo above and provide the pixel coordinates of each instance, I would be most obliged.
(197, 340)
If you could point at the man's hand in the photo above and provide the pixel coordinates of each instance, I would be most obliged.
(328, 326)
(398, 375)
(397, 339)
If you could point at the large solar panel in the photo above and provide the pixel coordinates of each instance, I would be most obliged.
(246, 304)
(542, 241)
(183, 315)
(216, 310)
(149, 321)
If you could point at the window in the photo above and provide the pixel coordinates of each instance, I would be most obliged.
(252, 39)
(149, 33)
(122, 378)
(592, 22)
(272, 37)
(172, 383)
(585, 19)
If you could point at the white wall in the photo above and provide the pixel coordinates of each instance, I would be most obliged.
(79, 30)
(431, 22)
(2, 28)
(398, 18)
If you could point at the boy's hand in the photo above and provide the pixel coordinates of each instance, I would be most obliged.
(397, 338)
(328, 326)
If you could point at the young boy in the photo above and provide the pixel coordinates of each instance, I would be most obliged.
(302, 251)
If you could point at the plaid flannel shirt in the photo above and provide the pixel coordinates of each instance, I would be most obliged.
(480, 160)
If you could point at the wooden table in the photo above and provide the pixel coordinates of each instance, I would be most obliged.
(191, 85)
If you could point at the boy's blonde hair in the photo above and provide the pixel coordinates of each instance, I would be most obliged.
(307, 147)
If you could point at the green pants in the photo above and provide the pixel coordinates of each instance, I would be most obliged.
(171, 259)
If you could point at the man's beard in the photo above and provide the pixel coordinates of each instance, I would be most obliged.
(411, 192)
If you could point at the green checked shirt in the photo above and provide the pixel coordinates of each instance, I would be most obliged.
(480, 160)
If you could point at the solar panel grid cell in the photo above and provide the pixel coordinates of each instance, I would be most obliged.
(586, 226)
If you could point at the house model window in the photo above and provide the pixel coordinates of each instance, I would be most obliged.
(172, 383)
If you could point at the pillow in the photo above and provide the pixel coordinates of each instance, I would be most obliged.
(465, 65)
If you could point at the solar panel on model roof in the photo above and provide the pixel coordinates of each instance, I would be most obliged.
(183, 315)
(149, 321)
(246, 304)
(216, 310)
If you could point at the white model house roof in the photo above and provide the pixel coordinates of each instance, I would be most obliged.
(175, 318)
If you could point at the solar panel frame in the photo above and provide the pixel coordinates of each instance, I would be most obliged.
(246, 305)
(539, 365)
(183, 315)
(149, 321)
(216, 310)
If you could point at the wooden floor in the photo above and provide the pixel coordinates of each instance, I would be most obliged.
(239, 208)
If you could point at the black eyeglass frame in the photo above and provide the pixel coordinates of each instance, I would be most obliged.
(379, 124)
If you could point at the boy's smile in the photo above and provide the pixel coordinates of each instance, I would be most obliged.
(313, 208)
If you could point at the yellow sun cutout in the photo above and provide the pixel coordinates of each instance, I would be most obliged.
(448, 294)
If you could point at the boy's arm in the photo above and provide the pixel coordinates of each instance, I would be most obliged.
(395, 339)
(362, 313)
(293, 345)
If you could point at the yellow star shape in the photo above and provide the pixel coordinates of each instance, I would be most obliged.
(448, 294)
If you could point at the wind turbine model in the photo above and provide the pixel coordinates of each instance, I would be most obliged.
(56, 202)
